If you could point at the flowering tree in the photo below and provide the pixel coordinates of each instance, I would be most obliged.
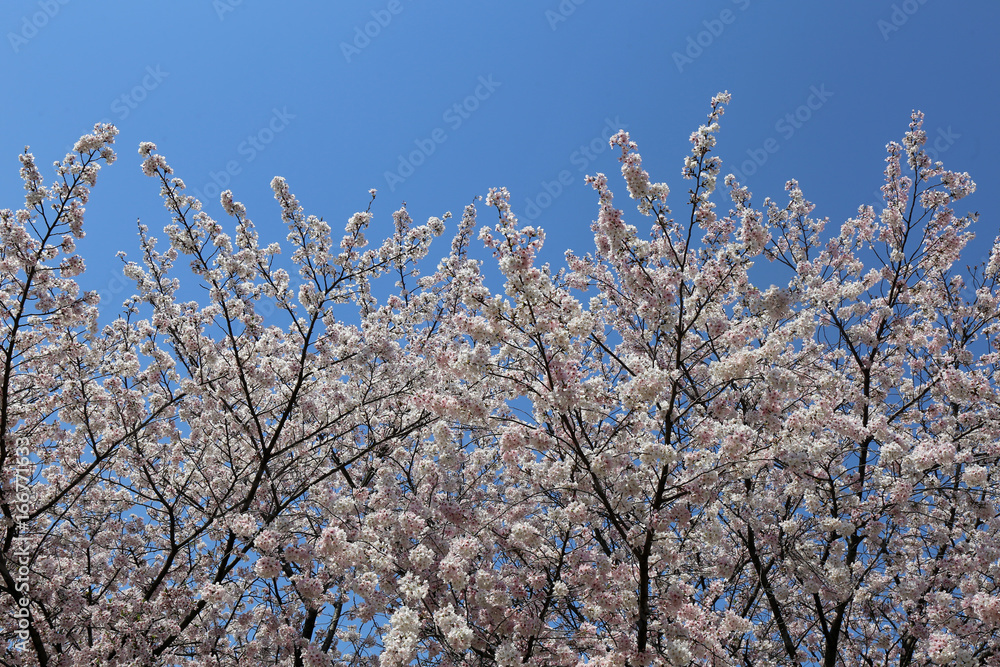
(687, 469)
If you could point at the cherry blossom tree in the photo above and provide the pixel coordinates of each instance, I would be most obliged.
(682, 469)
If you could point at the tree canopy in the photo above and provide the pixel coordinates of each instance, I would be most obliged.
(642, 458)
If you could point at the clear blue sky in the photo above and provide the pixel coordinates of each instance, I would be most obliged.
(331, 95)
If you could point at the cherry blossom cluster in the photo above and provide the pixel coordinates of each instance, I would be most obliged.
(641, 459)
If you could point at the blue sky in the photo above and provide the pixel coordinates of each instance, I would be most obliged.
(434, 103)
